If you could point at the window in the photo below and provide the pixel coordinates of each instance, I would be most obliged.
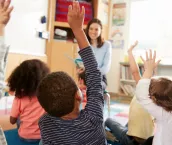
(151, 25)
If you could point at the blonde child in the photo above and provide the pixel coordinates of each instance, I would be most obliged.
(5, 12)
(155, 95)
(140, 124)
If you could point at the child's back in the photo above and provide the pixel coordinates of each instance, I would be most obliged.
(140, 123)
(87, 127)
(26, 109)
(163, 118)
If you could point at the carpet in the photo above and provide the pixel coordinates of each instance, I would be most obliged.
(13, 138)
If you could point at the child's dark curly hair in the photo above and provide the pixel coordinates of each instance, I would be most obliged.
(56, 94)
(26, 77)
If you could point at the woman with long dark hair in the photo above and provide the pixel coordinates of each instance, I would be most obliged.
(101, 48)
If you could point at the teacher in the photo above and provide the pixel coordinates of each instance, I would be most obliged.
(102, 49)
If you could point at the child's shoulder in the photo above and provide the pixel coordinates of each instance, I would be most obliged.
(46, 118)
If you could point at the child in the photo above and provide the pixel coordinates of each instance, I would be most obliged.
(140, 125)
(82, 86)
(64, 123)
(26, 109)
(155, 95)
(5, 12)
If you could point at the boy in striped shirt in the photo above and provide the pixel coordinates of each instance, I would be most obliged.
(64, 123)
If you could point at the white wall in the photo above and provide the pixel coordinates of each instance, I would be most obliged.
(21, 30)
(118, 56)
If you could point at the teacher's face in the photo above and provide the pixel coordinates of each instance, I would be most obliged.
(94, 31)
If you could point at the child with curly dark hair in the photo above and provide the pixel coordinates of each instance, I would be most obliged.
(26, 109)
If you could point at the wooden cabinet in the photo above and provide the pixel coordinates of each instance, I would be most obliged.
(57, 51)
(61, 51)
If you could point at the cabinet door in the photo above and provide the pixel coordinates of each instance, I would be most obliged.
(61, 57)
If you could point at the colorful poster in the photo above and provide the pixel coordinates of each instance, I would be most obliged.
(117, 25)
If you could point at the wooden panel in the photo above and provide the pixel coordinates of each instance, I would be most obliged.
(59, 57)
(50, 28)
(95, 7)
(105, 32)
(14, 59)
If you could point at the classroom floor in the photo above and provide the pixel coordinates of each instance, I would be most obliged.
(118, 111)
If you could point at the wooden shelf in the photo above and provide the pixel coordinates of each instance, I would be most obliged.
(127, 64)
(141, 64)
(64, 24)
(120, 94)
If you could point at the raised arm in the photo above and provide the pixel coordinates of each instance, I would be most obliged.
(5, 12)
(93, 75)
(4, 18)
(107, 59)
(142, 88)
(133, 65)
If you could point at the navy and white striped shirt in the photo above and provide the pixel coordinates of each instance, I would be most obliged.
(88, 128)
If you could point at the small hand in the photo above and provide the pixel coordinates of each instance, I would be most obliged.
(132, 46)
(75, 17)
(5, 11)
(150, 64)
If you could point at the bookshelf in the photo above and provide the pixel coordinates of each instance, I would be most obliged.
(127, 84)
(56, 48)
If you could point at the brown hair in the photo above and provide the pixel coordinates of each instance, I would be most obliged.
(100, 40)
(81, 75)
(160, 91)
(56, 94)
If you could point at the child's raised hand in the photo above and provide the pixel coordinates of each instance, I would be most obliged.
(132, 46)
(75, 16)
(5, 11)
(150, 63)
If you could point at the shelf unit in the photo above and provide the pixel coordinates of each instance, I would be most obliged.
(127, 84)
(125, 74)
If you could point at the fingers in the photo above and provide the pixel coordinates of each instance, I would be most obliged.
(83, 11)
(150, 55)
(154, 55)
(9, 10)
(77, 7)
(133, 46)
(2, 3)
(6, 5)
(156, 64)
(147, 58)
(70, 9)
